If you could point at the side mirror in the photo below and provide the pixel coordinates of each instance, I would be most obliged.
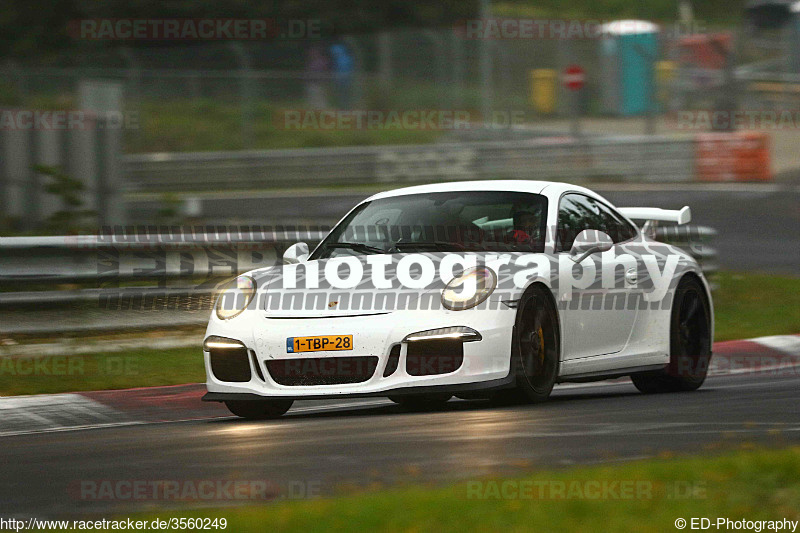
(588, 242)
(296, 253)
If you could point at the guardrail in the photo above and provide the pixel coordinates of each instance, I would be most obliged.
(127, 281)
(622, 158)
(157, 281)
(141, 257)
(697, 241)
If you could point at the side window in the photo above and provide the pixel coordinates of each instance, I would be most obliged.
(617, 227)
(577, 212)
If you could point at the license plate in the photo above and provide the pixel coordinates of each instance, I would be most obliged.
(319, 344)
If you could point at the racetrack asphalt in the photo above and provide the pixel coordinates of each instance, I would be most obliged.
(321, 447)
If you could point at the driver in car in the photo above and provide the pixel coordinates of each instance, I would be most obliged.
(524, 230)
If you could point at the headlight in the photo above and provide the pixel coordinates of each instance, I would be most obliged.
(221, 343)
(236, 297)
(462, 333)
(469, 289)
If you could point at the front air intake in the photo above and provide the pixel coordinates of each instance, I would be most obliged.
(230, 364)
(322, 370)
(428, 358)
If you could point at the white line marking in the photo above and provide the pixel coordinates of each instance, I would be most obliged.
(55, 412)
(312, 408)
(789, 344)
(93, 410)
(63, 429)
(81, 427)
(16, 402)
(592, 385)
(761, 370)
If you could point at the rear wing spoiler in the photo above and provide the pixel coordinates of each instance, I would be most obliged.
(655, 214)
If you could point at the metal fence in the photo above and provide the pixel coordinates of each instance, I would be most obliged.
(634, 158)
(125, 282)
(401, 69)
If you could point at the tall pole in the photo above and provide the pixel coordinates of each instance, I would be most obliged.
(246, 94)
(486, 64)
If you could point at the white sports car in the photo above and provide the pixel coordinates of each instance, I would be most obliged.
(486, 289)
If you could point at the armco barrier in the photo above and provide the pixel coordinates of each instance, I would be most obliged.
(128, 281)
(625, 158)
(142, 257)
(653, 158)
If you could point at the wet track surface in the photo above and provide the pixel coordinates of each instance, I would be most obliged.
(325, 445)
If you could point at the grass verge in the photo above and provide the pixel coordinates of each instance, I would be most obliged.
(203, 125)
(751, 485)
(112, 370)
(747, 305)
(754, 305)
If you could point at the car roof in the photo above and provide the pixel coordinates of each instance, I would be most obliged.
(554, 188)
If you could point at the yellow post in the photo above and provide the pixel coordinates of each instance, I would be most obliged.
(665, 72)
(543, 89)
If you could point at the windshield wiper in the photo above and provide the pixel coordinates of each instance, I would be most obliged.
(439, 245)
(357, 246)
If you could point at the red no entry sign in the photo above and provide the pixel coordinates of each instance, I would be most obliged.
(574, 77)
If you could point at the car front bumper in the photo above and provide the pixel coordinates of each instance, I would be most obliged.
(485, 365)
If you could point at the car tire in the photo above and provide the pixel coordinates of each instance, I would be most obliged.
(690, 343)
(536, 348)
(421, 402)
(258, 409)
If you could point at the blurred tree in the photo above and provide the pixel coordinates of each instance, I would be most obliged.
(705, 11)
(39, 27)
(71, 218)
(35, 27)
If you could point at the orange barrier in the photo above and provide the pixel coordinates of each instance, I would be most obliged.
(736, 156)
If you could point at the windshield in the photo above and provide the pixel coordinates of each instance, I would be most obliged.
(447, 221)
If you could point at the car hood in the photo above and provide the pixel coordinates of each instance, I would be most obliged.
(286, 291)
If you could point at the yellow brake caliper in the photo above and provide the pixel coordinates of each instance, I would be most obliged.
(541, 346)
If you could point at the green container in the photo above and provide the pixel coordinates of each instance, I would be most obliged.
(629, 53)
